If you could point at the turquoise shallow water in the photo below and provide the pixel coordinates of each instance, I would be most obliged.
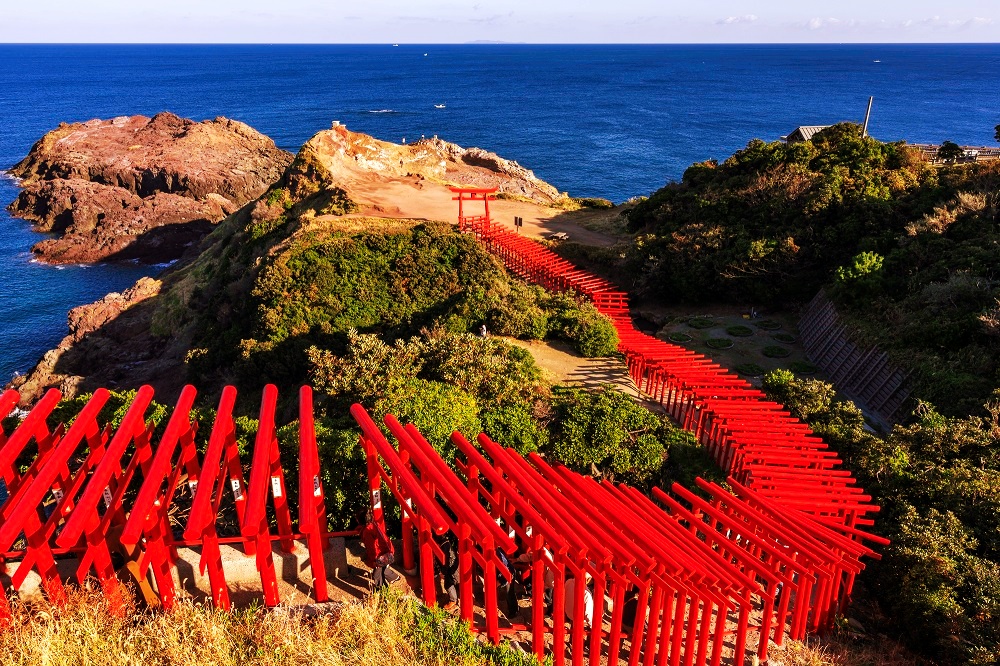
(611, 121)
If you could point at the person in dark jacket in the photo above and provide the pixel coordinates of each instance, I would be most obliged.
(449, 570)
(378, 554)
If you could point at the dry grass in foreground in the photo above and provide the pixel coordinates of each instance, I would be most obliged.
(381, 631)
(841, 651)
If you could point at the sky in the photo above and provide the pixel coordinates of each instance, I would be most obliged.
(533, 21)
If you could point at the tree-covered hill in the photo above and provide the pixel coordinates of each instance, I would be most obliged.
(909, 251)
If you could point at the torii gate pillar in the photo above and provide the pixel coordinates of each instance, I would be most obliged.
(480, 225)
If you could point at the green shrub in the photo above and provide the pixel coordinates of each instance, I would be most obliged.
(515, 426)
(739, 331)
(861, 279)
(436, 409)
(767, 325)
(718, 343)
(776, 351)
(608, 430)
(594, 202)
(787, 338)
(591, 333)
(518, 310)
(679, 338)
(700, 323)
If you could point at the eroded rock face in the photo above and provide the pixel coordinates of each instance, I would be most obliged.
(105, 315)
(353, 157)
(140, 188)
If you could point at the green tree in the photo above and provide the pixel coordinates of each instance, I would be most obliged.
(607, 430)
(950, 151)
(579, 322)
(859, 280)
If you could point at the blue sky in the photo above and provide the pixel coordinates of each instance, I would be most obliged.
(545, 21)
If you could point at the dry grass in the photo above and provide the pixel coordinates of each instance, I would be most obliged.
(379, 631)
(841, 651)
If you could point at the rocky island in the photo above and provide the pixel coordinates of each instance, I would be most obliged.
(139, 188)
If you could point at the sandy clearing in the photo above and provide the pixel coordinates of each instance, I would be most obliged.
(416, 198)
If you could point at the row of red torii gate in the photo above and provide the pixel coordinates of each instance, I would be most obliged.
(713, 574)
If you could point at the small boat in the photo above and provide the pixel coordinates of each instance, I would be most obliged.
(395, 44)
(876, 61)
(439, 106)
(425, 55)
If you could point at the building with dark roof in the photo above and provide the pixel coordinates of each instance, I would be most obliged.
(803, 133)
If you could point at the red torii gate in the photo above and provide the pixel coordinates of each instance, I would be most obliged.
(136, 482)
(480, 225)
(792, 523)
(701, 567)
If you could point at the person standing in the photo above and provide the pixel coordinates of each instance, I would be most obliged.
(379, 554)
(449, 571)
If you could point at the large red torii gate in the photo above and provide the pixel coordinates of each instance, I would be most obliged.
(480, 225)
(91, 491)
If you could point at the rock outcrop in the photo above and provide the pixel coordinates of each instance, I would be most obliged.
(83, 320)
(140, 188)
(353, 158)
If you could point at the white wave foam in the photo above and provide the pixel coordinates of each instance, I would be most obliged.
(6, 175)
(383, 111)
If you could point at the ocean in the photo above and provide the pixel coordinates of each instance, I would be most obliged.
(606, 121)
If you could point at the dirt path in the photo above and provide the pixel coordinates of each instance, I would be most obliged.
(419, 199)
(561, 365)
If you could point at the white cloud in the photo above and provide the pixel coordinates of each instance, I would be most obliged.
(820, 23)
(734, 20)
(939, 23)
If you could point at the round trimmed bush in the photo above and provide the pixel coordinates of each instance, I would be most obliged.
(740, 331)
(750, 369)
(768, 325)
(719, 343)
(803, 368)
(776, 351)
(700, 323)
(784, 337)
(679, 338)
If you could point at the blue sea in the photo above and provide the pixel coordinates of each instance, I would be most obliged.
(608, 121)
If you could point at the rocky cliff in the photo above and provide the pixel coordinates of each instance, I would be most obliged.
(138, 187)
(356, 159)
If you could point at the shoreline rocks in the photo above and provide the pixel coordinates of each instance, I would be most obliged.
(139, 188)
